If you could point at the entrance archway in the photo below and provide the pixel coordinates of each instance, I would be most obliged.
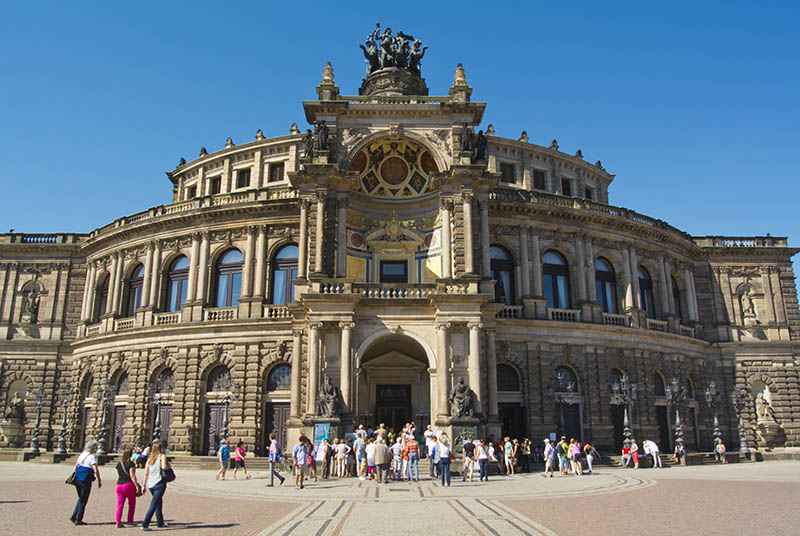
(393, 385)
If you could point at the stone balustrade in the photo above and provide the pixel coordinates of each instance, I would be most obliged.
(277, 312)
(564, 315)
(613, 319)
(395, 291)
(220, 314)
(166, 319)
(510, 311)
(657, 325)
(123, 324)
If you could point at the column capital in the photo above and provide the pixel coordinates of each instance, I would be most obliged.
(446, 204)
(443, 326)
(475, 325)
(251, 229)
(466, 196)
(297, 332)
(490, 330)
(305, 204)
(347, 325)
(315, 326)
(343, 201)
(321, 195)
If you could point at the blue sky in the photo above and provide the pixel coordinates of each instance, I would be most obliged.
(693, 106)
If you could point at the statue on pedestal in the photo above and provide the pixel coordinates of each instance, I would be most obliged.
(15, 409)
(308, 144)
(328, 401)
(764, 411)
(480, 146)
(461, 400)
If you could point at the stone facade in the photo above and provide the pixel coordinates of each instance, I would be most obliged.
(394, 262)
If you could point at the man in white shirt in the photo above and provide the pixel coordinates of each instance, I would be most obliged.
(651, 449)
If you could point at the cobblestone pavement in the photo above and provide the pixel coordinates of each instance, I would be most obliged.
(708, 500)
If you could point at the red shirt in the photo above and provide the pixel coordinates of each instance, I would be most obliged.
(625, 451)
(412, 446)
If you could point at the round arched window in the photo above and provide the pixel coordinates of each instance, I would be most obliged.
(219, 379)
(280, 377)
(507, 378)
(228, 280)
(555, 272)
(565, 380)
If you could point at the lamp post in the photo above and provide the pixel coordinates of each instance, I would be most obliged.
(161, 387)
(39, 398)
(625, 392)
(65, 396)
(105, 393)
(740, 400)
(676, 396)
(228, 385)
(562, 388)
(714, 401)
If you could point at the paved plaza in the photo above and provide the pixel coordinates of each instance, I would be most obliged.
(745, 498)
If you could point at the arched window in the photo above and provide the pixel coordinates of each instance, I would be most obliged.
(100, 298)
(284, 271)
(228, 279)
(280, 377)
(502, 267)
(555, 272)
(606, 285)
(566, 380)
(616, 376)
(165, 382)
(507, 378)
(177, 283)
(646, 293)
(676, 297)
(219, 379)
(122, 384)
(658, 388)
(135, 285)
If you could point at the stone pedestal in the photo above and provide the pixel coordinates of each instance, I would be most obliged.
(335, 430)
(393, 81)
(12, 434)
(770, 434)
(460, 429)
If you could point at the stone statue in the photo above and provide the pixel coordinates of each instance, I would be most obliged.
(764, 411)
(328, 402)
(30, 305)
(401, 52)
(15, 409)
(320, 136)
(466, 140)
(415, 57)
(385, 50)
(480, 146)
(461, 400)
(308, 144)
(748, 307)
(371, 53)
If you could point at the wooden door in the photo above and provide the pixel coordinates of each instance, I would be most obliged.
(277, 416)
(119, 423)
(662, 416)
(86, 418)
(165, 421)
(618, 419)
(572, 421)
(215, 421)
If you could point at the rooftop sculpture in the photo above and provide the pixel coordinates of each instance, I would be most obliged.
(385, 50)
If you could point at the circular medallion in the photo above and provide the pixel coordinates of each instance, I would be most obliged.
(394, 170)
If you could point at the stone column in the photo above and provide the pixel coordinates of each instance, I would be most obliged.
(88, 296)
(313, 367)
(673, 307)
(346, 371)
(538, 290)
(486, 262)
(148, 269)
(302, 248)
(442, 372)
(156, 274)
(664, 291)
(769, 292)
(491, 373)
(635, 278)
(627, 281)
(447, 250)
(192, 283)
(691, 297)
(525, 262)
(247, 269)
(591, 281)
(469, 261)
(475, 364)
(112, 284)
(341, 240)
(297, 364)
(261, 247)
(202, 269)
(319, 232)
(580, 262)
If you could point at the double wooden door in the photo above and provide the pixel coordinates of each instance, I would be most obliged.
(119, 424)
(277, 415)
(215, 422)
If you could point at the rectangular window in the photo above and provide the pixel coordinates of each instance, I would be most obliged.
(276, 172)
(215, 185)
(279, 287)
(566, 187)
(191, 192)
(538, 180)
(243, 178)
(588, 193)
(394, 272)
(508, 173)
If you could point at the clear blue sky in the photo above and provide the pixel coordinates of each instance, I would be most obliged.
(693, 106)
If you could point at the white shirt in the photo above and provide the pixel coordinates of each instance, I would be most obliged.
(87, 459)
(482, 455)
(370, 453)
(444, 451)
(491, 454)
(341, 450)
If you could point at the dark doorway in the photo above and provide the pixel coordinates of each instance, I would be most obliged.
(695, 428)
(165, 421)
(513, 420)
(572, 421)
(277, 415)
(393, 406)
(618, 420)
(662, 416)
(215, 421)
(86, 418)
(119, 423)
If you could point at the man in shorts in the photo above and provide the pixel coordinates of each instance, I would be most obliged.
(299, 454)
(223, 455)
(469, 459)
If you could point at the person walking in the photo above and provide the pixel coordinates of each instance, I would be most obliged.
(501, 456)
(238, 460)
(274, 458)
(508, 455)
(526, 455)
(443, 452)
(85, 473)
(299, 461)
(223, 455)
(549, 458)
(411, 449)
(382, 460)
(591, 455)
(127, 486)
(311, 459)
(482, 455)
(469, 460)
(154, 480)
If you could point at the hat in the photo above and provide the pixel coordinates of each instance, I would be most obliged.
(564, 437)
(547, 441)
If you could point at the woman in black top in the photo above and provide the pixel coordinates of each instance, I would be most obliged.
(127, 487)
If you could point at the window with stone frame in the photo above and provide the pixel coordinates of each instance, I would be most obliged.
(191, 192)
(219, 379)
(588, 193)
(177, 283)
(566, 187)
(280, 377)
(646, 293)
(276, 172)
(243, 178)
(502, 268)
(507, 378)
(134, 292)
(394, 271)
(228, 279)
(284, 271)
(606, 282)
(555, 275)
(676, 297)
(101, 298)
(539, 182)
(215, 185)
(508, 172)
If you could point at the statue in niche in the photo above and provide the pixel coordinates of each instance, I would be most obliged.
(15, 409)
(748, 307)
(328, 403)
(461, 400)
(308, 144)
(30, 304)
(466, 140)
(480, 146)
(764, 411)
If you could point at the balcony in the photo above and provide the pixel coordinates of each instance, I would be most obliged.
(613, 319)
(510, 311)
(564, 315)
(124, 324)
(277, 312)
(167, 319)
(687, 331)
(657, 325)
(221, 314)
(394, 291)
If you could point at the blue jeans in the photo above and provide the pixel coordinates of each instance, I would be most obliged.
(273, 473)
(484, 469)
(444, 469)
(155, 505)
(413, 465)
(83, 487)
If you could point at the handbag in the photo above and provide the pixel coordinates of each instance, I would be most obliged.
(168, 474)
(71, 479)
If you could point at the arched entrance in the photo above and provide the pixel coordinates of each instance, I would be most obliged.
(393, 385)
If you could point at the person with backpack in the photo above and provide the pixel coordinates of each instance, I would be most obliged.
(274, 458)
(85, 473)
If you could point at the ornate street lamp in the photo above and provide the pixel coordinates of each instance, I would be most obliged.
(741, 398)
(714, 401)
(625, 392)
(105, 394)
(65, 397)
(160, 388)
(228, 385)
(676, 396)
(562, 388)
(39, 396)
